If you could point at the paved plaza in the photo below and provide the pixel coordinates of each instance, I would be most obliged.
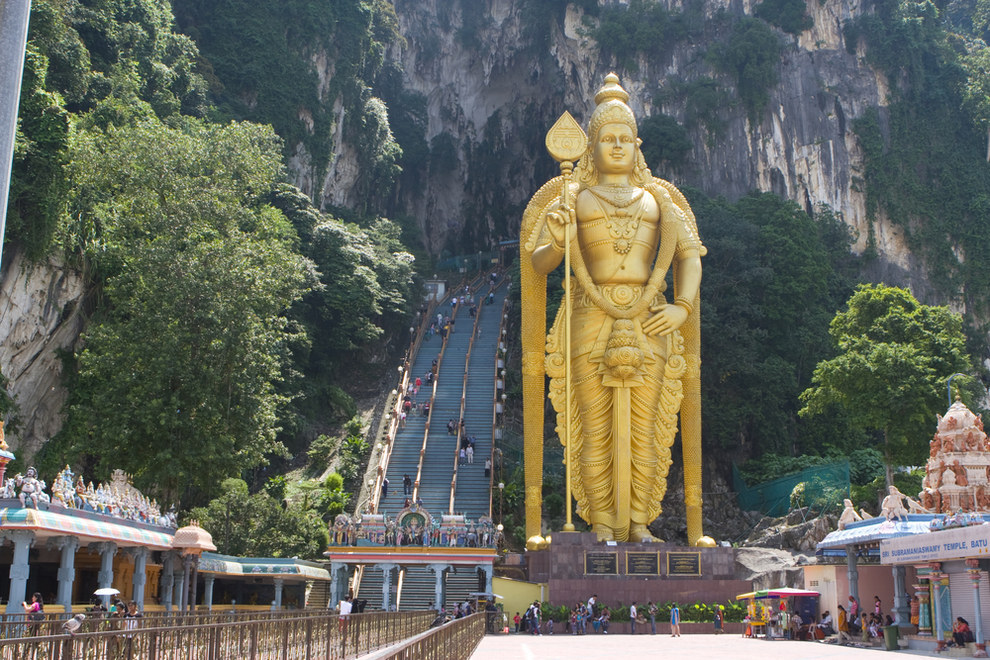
(632, 647)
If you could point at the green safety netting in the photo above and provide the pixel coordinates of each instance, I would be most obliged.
(774, 497)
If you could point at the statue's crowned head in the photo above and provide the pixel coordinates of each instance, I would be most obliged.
(611, 108)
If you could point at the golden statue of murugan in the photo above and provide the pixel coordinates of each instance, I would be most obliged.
(633, 355)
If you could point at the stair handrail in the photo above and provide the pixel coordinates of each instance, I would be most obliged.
(393, 426)
(499, 364)
(433, 396)
(460, 428)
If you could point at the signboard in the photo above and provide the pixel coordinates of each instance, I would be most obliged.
(959, 543)
(643, 563)
(684, 563)
(601, 563)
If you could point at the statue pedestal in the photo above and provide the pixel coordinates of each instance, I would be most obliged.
(578, 565)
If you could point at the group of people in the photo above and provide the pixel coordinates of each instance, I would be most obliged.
(594, 617)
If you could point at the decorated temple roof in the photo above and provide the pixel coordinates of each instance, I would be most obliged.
(211, 562)
(51, 523)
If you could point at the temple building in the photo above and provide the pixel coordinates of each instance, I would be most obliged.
(936, 547)
(79, 538)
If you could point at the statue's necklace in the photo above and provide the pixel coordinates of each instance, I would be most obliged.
(619, 196)
(622, 224)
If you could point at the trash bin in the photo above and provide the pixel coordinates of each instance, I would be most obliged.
(890, 634)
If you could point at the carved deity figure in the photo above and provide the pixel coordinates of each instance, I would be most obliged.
(960, 471)
(892, 506)
(848, 515)
(31, 487)
(632, 351)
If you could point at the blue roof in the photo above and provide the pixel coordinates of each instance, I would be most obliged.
(874, 530)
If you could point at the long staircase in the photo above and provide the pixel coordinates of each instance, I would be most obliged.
(471, 496)
(425, 451)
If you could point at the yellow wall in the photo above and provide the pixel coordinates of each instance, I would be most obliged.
(517, 595)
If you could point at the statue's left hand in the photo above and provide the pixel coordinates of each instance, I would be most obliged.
(667, 319)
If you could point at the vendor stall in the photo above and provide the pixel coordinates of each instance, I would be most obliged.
(770, 612)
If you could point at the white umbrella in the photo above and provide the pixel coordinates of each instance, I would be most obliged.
(106, 591)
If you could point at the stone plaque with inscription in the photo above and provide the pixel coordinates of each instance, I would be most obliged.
(643, 563)
(601, 563)
(684, 563)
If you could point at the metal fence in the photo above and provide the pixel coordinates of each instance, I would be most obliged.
(13, 626)
(456, 640)
(308, 635)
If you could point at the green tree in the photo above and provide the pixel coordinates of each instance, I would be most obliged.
(176, 376)
(772, 280)
(257, 525)
(789, 15)
(751, 56)
(894, 356)
(976, 94)
(664, 142)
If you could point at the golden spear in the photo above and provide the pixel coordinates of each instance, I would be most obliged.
(566, 141)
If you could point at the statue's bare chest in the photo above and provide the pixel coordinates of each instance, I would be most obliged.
(624, 224)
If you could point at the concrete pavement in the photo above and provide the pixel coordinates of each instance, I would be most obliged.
(632, 647)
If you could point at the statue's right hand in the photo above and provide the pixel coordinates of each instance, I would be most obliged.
(562, 224)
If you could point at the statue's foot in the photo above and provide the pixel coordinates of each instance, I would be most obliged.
(640, 534)
(604, 532)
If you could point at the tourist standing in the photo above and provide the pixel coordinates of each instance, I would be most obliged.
(344, 611)
(853, 614)
(651, 609)
(632, 618)
(843, 626)
(675, 621)
(718, 619)
(385, 488)
(406, 484)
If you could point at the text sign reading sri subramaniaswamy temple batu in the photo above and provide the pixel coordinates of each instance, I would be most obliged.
(948, 544)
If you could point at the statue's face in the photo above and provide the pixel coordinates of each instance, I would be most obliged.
(615, 149)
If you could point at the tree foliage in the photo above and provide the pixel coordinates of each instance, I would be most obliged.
(259, 525)
(894, 355)
(789, 15)
(772, 280)
(176, 377)
(925, 166)
(644, 28)
(976, 94)
(259, 60)
(665, 142)
(752, 56)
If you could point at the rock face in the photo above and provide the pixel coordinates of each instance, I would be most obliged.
(41, 316)
(491, 93)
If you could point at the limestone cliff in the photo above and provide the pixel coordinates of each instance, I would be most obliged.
(491, 92)
(41, 316)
